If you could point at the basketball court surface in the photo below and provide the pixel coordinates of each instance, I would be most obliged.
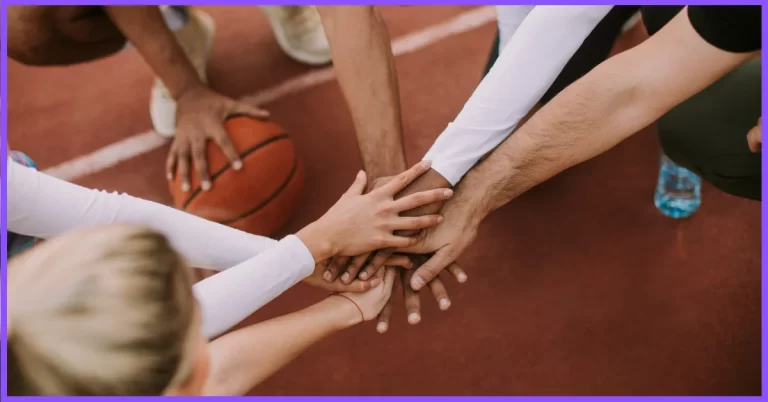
(578, 287)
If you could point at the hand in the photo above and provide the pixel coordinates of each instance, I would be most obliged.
(412, 297)
(755, 136)
(448, 241)
(372, 301)
(366, 265)
(360, 223)
(357, 286)
(201, 113)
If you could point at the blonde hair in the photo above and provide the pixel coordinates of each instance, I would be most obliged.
(106, 311)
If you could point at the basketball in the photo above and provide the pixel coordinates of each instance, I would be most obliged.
(259, 198)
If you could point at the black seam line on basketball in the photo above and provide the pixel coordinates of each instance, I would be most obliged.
(271, 197)
(221, 171)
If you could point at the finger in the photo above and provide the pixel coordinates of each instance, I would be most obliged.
(244, 109)
(170, 163)
(200, 160)
(754, 139)
(430, 269)
(334, 268)
(376, 262)
(412, 302)
(221, 138)
(384, 316)
(397, 260)
(402, 180)
(358, 186)
(354, 287)
(415, 222)
(385, 258)
(440, 293)
(457, 272)
(183, 170)
(354, 267)
(420, 199)
(389, 279)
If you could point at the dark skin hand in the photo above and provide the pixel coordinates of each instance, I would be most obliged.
(201, 112)
(428, 181)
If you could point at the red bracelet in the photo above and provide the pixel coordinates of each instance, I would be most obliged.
(353, 302)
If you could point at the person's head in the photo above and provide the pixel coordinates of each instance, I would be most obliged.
(107, 311)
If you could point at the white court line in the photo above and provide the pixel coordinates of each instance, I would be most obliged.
(139, 144)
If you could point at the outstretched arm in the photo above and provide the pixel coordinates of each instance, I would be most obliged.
(618, 98)
(363, 60)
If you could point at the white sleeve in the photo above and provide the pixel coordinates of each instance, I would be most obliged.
(232, 295)
(535, 55)
(509, 20)
(43, 206)
(255, 269)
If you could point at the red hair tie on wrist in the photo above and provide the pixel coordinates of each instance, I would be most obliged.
(353, 302)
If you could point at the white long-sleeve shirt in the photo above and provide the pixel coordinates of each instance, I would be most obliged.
(536, 44)
(255, 269)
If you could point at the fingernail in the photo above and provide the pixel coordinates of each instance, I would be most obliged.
(382, 327)
(462, 278)
(327, 276)
(169, 176)
(417, 283)
(185, 187)
(345, 277)
(375, 282)
(414, 318)
(237, 165)
(448, 192)
(206, 185)
(426, 164)
(364, 275)
(440, 219)
(444, 304)
(360, 174)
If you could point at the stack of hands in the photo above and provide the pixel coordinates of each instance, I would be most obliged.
(367, 241)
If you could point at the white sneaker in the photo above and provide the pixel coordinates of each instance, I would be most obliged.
(299, 32)
(196, 38)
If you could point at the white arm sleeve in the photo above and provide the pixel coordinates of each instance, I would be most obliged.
(509, 19)
(43, 206)
(531, 61)
(232, 295)
(261, 268)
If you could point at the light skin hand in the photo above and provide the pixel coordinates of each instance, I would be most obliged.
(359, 223)
(428, 181)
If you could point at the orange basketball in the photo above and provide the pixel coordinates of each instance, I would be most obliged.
(260, 197)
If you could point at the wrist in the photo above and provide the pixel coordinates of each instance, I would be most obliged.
(345, 313)
(318, 241)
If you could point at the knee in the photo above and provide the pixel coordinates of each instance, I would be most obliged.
(736, 172)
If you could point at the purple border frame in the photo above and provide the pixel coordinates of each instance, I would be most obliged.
(3, 163)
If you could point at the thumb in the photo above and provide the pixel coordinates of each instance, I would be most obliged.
(358, 186)
(244, 109)
(430, 269)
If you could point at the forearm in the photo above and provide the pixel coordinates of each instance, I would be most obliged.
(587, 118)
(364, 64)
(528, 65)
(145, 28)
(232, 295)
(244, 358)
(44, 206)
